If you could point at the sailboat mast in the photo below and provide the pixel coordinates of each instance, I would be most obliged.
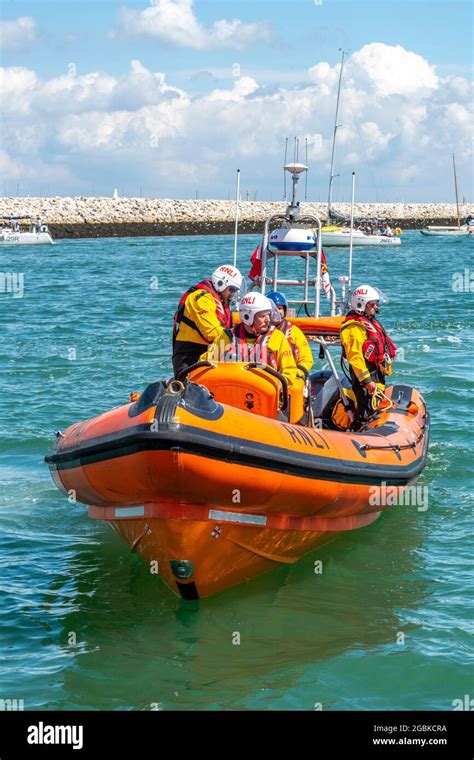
(456, 191)
(336, 125)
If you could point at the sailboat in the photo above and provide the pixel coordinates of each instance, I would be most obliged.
(452, 232)
(23, 230)
(368, 233)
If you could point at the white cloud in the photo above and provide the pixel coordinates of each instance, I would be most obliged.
(237, 34)
(259, 74)
(98, 127)
(18, 34)
(75, 93)
(243, 86)
(323, 73)
(174, 22)
(391, 70)
(376, 139)
(143, 87)
(353, 159)
(409, 172)
(457, 86)
(8, 165)
(17, 86)
(23, 93)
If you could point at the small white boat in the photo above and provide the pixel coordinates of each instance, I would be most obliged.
(341, 237)
(23, 231)
(462, 230)
(451, 232)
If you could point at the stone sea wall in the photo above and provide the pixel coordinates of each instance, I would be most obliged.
(116, 217)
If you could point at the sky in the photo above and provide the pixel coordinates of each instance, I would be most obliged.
(168, 98)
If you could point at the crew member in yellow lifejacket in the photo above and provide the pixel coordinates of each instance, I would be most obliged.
(203, 312)
(255, 339)
(367, 348)
(295, 337)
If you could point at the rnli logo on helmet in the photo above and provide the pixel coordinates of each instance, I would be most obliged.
(360, 292)
(228, 270)
(248, 300)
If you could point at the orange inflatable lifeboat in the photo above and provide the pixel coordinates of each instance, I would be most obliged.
(212, 481)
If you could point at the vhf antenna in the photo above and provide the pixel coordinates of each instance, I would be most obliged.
(306, 174)
(295, 169)
(284, 172)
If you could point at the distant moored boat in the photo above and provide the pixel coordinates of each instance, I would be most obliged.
(455, 232)
(340, 236)
(24, 231)
(451, 231)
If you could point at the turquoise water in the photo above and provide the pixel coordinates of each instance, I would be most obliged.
(85, 626)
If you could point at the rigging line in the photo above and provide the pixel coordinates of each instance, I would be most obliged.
(338, 187)
(306, 173)
(371, 167)
(14, 156)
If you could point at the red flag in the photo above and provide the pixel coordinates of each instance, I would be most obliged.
(324, 264)
(256, 268)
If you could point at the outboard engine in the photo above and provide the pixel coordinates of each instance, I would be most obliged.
(324, 394)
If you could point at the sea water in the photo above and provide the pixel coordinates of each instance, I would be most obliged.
(380, 618)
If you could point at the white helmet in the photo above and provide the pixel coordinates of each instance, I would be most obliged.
(226, 276)
(362, 296)
(252, 304)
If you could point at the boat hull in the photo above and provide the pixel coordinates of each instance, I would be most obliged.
(445, 232)
(212, 495)
(216, 552)
(26, 238)
(358, 239)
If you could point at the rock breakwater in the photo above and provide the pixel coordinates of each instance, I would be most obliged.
(70, 217)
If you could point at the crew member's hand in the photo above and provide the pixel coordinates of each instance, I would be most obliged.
(370, 387)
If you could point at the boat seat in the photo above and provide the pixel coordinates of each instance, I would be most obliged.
(252, 390)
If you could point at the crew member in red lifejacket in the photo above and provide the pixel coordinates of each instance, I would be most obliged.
(203, 311)
(255, 339)
(295, 337)
(367, 348)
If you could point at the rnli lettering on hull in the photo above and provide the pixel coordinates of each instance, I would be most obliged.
(306, 437)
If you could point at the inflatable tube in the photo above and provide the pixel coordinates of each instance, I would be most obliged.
(311, 325)
(215, 494)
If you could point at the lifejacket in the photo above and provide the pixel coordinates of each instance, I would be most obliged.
(241, 351)
(223, 312)
(378, 349)
(285, 328)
